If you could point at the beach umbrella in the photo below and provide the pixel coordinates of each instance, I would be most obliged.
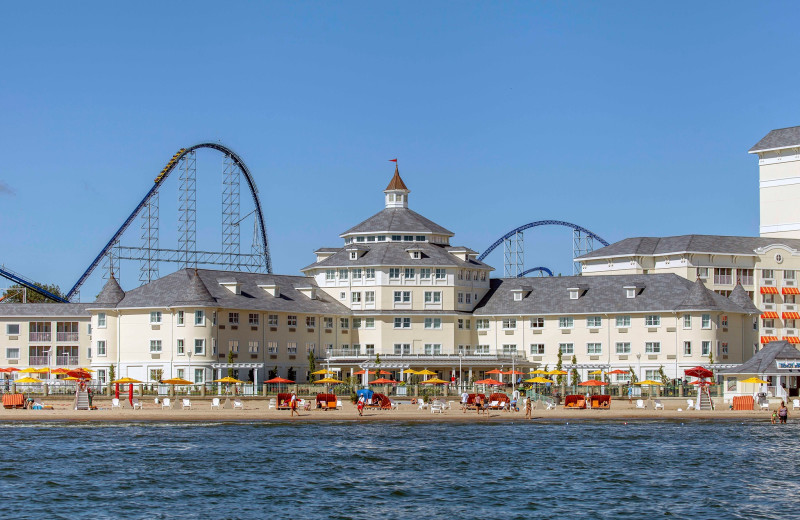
(28, 379)
(410, 371)
(327, 380)
(539, 380)
(176, 381)
(700, 372)
(434, 381)
(70, 378)
(383, 381)
(59, 371)
(125, 381)
(79, 373)
(490, 382)
(539, 371)
(650, 383)
(279, 380)
(29, 370)
(362, 372)
(227, 379)
(704, 383)
(321, 372)
(596, 373)
(384, 373)
(592, 382)
(426, 372)
(618, 371)
(557, 373)
(755, 380)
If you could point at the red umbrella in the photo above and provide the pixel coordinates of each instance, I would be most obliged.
(279, 380)
(618, 371)
(699, 372)
(79, 373)
(495, 371)
(493, 382)
(512, 373)
(383, 381)
(362, 372)
(592, 382)
(384, 373)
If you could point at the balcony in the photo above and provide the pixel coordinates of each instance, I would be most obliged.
(67, 360)
(38, 361)
(40, 337)
(65, 336)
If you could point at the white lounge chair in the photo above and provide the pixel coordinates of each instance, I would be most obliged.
(493, 405)
(237, 404)
(338, 403)
(551, 405)
(115, 403)
(448, 405)
(764, 405)
(690, 405)
(215, 403)
(436, 406)
(136, 404)
(272, 403)
(186, 403)
(166, 403)
(795, 404)
(422, 404)
(658, 405)
(640, 404)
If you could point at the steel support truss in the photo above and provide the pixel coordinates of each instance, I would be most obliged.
(514, 248)
(148, 266)
(582, 243)
(230, 211)
(245, 262)
(187, 210)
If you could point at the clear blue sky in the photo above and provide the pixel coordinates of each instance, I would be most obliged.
(627, 118)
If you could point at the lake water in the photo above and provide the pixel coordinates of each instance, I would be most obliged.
(380, 470)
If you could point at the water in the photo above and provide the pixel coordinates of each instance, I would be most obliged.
(401, 470)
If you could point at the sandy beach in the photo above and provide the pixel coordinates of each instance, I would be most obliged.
(258, 410)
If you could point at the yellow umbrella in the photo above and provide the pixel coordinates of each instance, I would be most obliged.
(539, 380)
(649, 382)
(29, 370)
(125, 380)
(226, 379)
(434, 381)
(596, 373)
(755, 380)
(322, 372)
(70, 378)
(87, 369)
(539, 371)
(410, 371)
(557, 373)
(176, 381)
(28, 380)
(426, 372)
(327, 380)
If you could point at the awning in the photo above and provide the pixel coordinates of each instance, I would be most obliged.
(769, 315)
(791, 315)
(790, 290)
(792, 339)
(769, 290)
(767, 339)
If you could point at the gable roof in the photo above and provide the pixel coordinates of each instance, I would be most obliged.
(777, 139)
(647, 246)
(398, 220)
(764, 361)
(45, 310)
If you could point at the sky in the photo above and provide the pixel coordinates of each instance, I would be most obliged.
(626, 118)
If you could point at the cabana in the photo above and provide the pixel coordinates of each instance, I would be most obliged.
(471, 400)
(777, 362)
(284, 401)
(575, 401)
(600, 402)
(367, 394)
(326, 401)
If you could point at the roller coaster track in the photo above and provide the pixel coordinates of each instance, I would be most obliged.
(173, 162)
(23, 281)
(532, 269)
(540, 223)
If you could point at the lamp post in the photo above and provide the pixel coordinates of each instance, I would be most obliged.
(639, 365)
(460, 371)
(189, 353)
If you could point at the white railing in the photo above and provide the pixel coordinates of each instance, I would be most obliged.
(40, 336)
(66, 360)
(38, 360)
(66, 336)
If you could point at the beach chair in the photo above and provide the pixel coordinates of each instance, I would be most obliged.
(272, 403)
(640, 404)
(422, 404)
(136, 404)
(551, 405)
(448, 406)
(186, 403)
(166, 403)
(493, 405)
(795, 404)
(338, 404)
(394, 404)
(690, 404)
(764, 405)
(436, 406)
(238, 404)
(115, 403)
(215, 403)
(502, 406)
(658, 405)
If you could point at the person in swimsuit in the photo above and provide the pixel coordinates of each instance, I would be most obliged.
(293, 405)
(528, 408)
(783, 413)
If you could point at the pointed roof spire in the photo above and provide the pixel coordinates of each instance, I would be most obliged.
(195, 291)
(740, 297)
(112, 293)
(396, 183)
(699, 297)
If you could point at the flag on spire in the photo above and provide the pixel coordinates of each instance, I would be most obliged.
(393, 160)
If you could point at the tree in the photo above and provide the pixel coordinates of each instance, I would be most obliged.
(112, 373)
(634, 379)
(16, 293)
(663, 375)
(576, 377)
(312, 364)
(230, 362)
(560, 378)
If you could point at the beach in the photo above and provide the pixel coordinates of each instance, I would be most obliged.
(258, 410)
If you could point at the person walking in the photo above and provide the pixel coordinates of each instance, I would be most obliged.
(479, 403)
(464, 401)
(630, 394)
(360, 405)
(293, 405)
(528, 407)
(783, 413)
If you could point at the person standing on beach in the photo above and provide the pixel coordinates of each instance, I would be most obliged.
(630, 394)
(464, 400)
(293, 405)
(360, 405)
(527, 407)
(783, 413)
(478, 403)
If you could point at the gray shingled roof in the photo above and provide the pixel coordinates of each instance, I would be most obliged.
(699, 298)
(179, 287)
(394, 253)
(195, 293)
(45, 310)
(645, 246)
(763, 362)
(740, 297)
(111, 294)
(398, 220)
(776, 139)
(550, 295)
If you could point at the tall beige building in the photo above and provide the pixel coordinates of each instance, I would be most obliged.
(779, 182)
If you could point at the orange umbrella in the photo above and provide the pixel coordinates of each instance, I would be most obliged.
(512, 373)
(493, 382)
(495, 371)
(592, 382)
(618, 371)
(279, 380)
(383, 381)
(60, 371)
(362, 372)
(384, 373)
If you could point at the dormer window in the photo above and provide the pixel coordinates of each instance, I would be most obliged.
(630, 292)
(573, 294)
(517, 296)
(415, 255)
(353, 255)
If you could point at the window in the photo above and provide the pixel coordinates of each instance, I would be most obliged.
(200, 347)
(396, 238)
(370, 273)
(722, 275)
(311, 322)
(433, 297)
(746, 276)
(291, 348)
(406, 238)
(767, 298)
(330, 274)
(355, 297)
(537, 323)
(433, 323)
(12, 329)
(466, 324)
(101, 320)
(687, 321)
(573, 294)
(394, 273)
(702, 273)
(402, 296)
(369, 323)
(328, 323)
(402, 348)
(233, 346)
(482, 324)
(180, 347)
(272, 347)
(623, 321)
(12, 352)
(155, 317)
(767, 274)
(622, 347)
(433, 349)
(291, 320)
(198, 375)
(101, 348)
(252, 318)
(509, 349)
(768, 324)
(566, 348)
(357, 274)
(214, 318)
(652, 347)
(468, 297)
(311, 347)
(509, 323)
(409, 272)
(594, 322)
(705, 348)
(594, 348)
(199, 318)
(460, 323)
(787, 275)
(687, 348)
(537, 349)
(402, 323)
(482, 349)
(356, 323)
(630, 292)
(180, 318)
(344, 323)
(652, 320)
(705, 321)
(440, 274)
(724, 349)
(272, 320)
(155, 346)
(252, 347)
(369, 349)
(460, 297)
(565, 322)
(420, 238)
(233, 318)
(369, 296)
(342, 274)
(723, 321)
(425, 274)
